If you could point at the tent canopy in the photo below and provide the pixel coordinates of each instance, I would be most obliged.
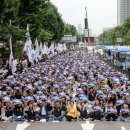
(122, 49)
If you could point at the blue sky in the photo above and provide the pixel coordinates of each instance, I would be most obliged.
(101, 13)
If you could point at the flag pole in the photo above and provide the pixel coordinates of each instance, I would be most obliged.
(11, 58)
(10, 38)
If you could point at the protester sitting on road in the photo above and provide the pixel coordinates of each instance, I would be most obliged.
(30, 112)
(125, 113)
(119, 104)
(103, 104)
(57, 111)
(1, 105)
(83, 112)
(50, 87)
(63, 104)
(18, 110)
(97, 111)
(91, 95)
(112, 97)
(127, 99)
(72, 111)
(45, 107)
(111, 112)
(8, 111)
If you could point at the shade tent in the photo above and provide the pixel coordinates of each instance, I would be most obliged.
(122, 49)
(109, 47)
(128, 53)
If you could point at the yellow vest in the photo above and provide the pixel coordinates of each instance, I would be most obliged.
(105, 80)
(72, 111)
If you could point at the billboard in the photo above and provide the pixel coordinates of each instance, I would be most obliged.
(119, 40)
(69, 38)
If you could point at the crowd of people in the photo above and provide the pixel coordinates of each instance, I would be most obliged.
(74, 86)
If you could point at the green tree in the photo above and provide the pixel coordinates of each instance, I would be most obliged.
(67, 30)
(9, 10)
(41, 14)
(52, 20)
(121, 31)
(127, 38)
(44, 36)
(70, 29)
(2, 7)
(78, 37)
(45, 21)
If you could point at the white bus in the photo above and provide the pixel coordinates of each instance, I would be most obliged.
(82, 45)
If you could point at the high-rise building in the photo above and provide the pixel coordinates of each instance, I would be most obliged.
(123, 11)
(80, 29)
(118, 12)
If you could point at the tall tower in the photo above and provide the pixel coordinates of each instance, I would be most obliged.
(87, 28)
(123, 10)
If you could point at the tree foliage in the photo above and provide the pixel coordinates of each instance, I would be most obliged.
(70, 29)
(45, 22)
(127, 38)
(16, 33)
(121, 31)
(42, 16)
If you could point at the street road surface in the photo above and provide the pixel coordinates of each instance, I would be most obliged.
(79, 125)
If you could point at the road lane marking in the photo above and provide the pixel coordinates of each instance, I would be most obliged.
(87, 126)
(123, 128)
(22, 126)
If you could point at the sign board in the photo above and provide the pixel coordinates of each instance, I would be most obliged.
(69, 38)
(85, 32)
(74, 39)
(119, 40)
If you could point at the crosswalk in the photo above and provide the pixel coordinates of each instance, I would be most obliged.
(111, 125)
(23, 126)
(79, 125)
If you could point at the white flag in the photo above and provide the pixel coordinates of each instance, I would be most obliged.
(40, 48)
(51, 49)
(45, 49)
(11, 59)
(37, 49)
(34, 55)
(12, 62)
(28, 46)
(40, 51)
(60, 47)
(28, 49)
(65, 48)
